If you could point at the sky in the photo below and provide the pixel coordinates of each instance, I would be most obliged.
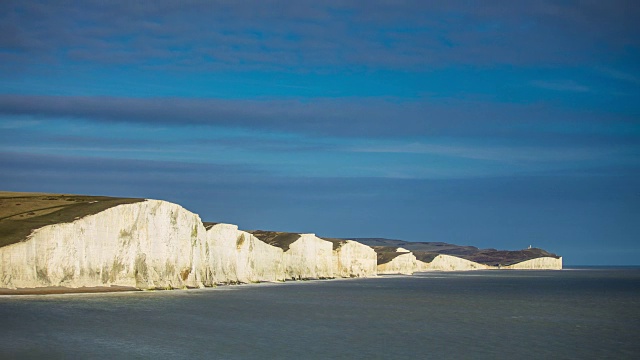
(498, 124)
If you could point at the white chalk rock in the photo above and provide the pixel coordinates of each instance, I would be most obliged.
(543, 263)
(444, 262)
(309, 257)
(258, 261)
(401, 264)
(353, 259)
(235, 256)
(157, 244)
(150, 244)
(219, 252)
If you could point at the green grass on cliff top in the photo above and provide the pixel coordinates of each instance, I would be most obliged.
(21, 213)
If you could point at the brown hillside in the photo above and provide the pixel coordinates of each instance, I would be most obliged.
(276, 238)
(21, 213)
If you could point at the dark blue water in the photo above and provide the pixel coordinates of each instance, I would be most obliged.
(569, 314)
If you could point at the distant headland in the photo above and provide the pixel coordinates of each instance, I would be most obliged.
(55, 243)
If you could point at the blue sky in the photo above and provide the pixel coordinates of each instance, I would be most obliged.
(499, 124)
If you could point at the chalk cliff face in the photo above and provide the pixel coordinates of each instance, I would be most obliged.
(262, 262)
(352, 259)
(450, 263)
(220, 255)
(402, 264)
(156, 244)
(543, 263)
(309, 257)
(150, 244)
(235, 256)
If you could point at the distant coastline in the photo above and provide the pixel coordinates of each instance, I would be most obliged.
(56, 243)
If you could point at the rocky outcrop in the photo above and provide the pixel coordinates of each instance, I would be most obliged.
(543, 263)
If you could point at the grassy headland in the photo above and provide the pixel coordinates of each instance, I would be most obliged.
(21, 213)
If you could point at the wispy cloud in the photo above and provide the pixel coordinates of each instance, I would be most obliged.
(18, 123)
(92, 149)
(621, 75)
(561, 85)
(512, 154)
(346, 117)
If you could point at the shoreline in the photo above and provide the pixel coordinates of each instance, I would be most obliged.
(61, 290)
(57, 290)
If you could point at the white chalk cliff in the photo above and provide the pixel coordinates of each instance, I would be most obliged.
(353, 259)
(404, 263)
(543, 263)
(444, 262)
(150, 244)
(156, 244)
(309, 257)
(235, 256)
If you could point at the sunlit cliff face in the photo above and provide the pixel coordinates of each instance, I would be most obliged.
(155, 244)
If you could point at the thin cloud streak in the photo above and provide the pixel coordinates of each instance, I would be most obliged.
(362, 117)
(504, 153)
(567, 85)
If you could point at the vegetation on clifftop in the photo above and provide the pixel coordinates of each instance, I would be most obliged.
(337, 243)
(494, 257)
(387, 253)
(21, 213)
(276, 238)
(425, 256)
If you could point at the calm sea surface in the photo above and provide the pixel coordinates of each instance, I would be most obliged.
(571, 314)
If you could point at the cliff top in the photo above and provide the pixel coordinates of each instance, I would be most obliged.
(438, 247)
(337, 243)
(276, 238)
(21, 213)
(208, 224)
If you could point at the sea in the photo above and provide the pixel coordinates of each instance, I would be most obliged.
(576, 313)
